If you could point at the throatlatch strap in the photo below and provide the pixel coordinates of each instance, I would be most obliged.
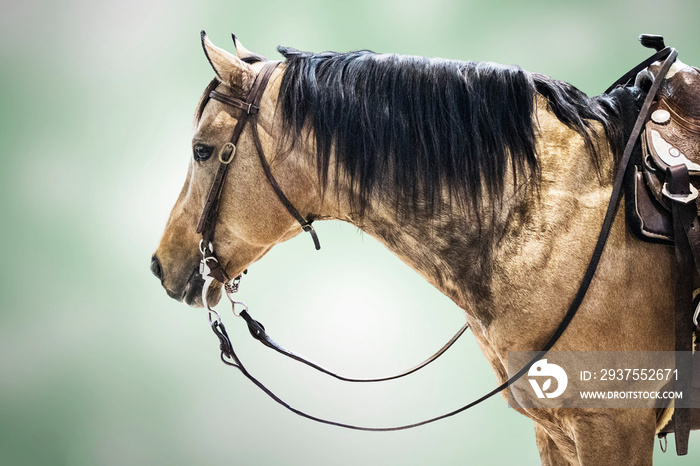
(305, 224)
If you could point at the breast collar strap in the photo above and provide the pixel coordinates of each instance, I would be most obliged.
(250, 109)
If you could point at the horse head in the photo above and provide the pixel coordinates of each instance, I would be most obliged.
(248, 218)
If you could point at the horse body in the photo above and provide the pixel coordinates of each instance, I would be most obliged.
(629, 306)
(512, 262)
(516, 285)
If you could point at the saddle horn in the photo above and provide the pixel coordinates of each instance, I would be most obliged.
(652, 41)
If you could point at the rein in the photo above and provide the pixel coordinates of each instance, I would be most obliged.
(210, 267)
(211, 270)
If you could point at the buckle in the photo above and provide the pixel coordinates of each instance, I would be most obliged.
(231, 149)
(204, 248)
(682, 198)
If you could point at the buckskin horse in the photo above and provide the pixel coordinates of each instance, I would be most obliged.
(490, 181)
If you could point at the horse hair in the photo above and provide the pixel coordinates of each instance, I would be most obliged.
(204, 99)
(427, 125)
(416, 126)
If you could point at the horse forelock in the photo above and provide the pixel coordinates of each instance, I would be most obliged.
(418, 128)
(204, 99)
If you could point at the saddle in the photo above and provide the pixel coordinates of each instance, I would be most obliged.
(670, 138)
(661, 207)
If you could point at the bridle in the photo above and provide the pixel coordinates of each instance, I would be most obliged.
(250, 108)
(210, 266)
(211, 269)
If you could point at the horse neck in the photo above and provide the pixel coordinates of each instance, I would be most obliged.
(470, 256)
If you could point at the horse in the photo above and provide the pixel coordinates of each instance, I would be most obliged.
(488, 180)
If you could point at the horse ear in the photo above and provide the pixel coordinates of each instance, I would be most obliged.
(230, 69)
(245, 54)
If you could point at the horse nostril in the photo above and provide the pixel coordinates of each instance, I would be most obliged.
(156, 268)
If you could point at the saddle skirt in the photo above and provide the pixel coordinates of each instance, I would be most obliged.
(671, 137)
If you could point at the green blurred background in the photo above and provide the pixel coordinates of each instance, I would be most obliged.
(99, 367)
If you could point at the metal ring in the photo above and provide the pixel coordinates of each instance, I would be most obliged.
(233, 307)
(649, 163)
(233, 304)
(683, 198)
(230, 147)
(201, 246)
(216, 319)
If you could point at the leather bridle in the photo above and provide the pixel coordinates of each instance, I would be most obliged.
(211, 269)
(250, 108)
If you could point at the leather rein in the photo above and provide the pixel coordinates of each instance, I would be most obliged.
(211, 270)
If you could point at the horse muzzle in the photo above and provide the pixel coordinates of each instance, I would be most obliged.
(189, 292)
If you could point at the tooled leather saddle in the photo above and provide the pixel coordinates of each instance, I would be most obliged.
(660, 203)
(670, 138)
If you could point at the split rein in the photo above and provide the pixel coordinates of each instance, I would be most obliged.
(210, 268)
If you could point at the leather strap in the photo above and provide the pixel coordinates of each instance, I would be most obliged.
(683, 331)
(216, 270)
(306, 225)
(687, 248)
(631, 74)
(207, 220)
(257, 330)
(247, 106)
(251, 108)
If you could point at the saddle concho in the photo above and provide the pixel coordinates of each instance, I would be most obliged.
(671, 137)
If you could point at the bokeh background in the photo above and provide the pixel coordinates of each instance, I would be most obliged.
(99, 367)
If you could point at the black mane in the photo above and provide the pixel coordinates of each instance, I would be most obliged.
(424, 126)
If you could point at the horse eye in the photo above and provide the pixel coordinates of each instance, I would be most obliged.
(202, 153)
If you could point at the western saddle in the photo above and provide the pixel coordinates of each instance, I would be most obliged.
(661, 207)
